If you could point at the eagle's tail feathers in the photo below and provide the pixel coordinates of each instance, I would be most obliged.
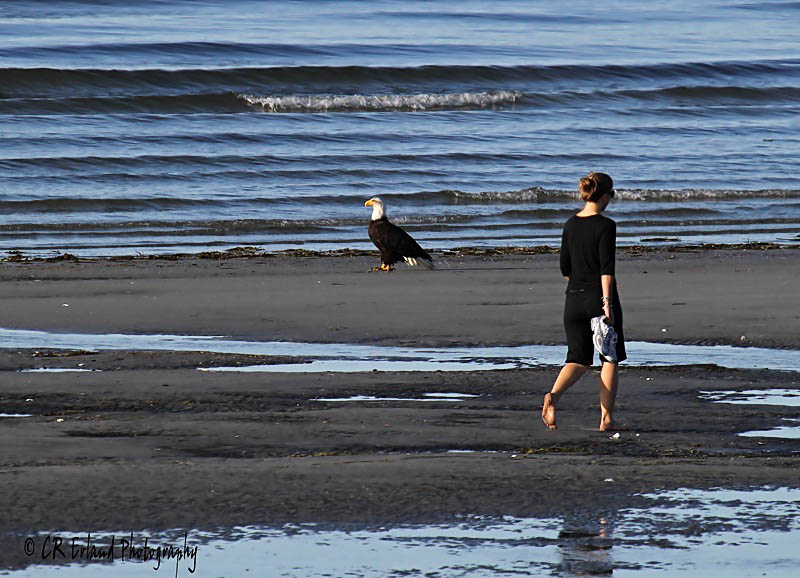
(424, 261)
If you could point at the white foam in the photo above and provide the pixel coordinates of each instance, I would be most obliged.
(699, 194)
(383, 102)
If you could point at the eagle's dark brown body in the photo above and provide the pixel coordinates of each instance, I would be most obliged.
(395, 244)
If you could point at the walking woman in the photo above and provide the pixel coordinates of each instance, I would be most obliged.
(588, 243)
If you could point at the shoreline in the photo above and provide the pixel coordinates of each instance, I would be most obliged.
(249, 251)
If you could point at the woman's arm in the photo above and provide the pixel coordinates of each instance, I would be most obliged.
(564, 259)
(608, 246)
(607, 282)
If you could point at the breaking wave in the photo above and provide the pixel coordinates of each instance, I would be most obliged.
(133, 205)
(55, 82)
(386, 102)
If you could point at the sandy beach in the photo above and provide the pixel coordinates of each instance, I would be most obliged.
(697, 296)
(149, 442)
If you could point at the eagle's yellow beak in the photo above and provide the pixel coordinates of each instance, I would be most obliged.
(368, 203)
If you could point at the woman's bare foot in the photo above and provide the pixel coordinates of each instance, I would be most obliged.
(549, 412)
(607, 423)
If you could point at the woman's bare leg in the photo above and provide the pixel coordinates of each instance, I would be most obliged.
(567, 377)
(609, 382)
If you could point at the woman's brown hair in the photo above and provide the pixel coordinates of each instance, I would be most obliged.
(594, 185)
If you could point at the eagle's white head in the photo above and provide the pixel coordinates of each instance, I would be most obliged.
(378, 210)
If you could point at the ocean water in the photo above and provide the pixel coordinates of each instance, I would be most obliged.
(181, 126)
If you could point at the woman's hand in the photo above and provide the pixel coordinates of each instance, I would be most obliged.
(607, 285)
(608, 312)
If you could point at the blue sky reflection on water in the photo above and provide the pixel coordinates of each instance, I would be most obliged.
(358, 357)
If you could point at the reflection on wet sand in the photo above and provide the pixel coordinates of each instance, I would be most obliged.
(786, 397)
(585, 548)
(772, 396)
(681, 532)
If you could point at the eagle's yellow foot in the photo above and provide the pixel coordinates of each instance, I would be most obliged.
(383, 267)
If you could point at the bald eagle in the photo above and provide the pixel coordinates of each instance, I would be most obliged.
(392, 241)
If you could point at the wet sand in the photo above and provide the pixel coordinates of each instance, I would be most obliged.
(149, 442)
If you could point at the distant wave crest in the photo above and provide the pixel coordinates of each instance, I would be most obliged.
(382, 102)
(77, 205)
(702, 194)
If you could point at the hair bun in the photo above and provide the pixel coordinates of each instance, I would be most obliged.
(594, 185)
(588, 186)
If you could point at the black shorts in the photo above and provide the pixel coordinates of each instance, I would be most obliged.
(579, 308)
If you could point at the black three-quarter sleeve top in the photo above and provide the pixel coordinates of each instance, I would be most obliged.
(587, 250)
